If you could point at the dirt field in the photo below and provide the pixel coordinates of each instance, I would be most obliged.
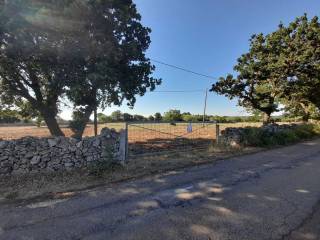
(136, 132)
(15, 132)
(143, 138)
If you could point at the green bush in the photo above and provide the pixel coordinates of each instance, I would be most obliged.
(252, 136)
(101, 167)
(106, 164)
(285, 137)
(260, 137)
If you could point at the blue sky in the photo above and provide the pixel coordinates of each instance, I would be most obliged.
(205, 36)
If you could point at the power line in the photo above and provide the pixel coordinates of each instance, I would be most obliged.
(183, 69)
(179, 91)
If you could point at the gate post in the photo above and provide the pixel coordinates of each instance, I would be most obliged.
(127, 144)
(123, 148)
(217, 133)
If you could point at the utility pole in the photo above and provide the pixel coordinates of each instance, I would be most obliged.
(205, 107)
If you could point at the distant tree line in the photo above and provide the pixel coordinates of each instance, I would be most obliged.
(8, 116)
(175, 115)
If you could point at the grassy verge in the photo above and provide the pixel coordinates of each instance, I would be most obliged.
(59, 184)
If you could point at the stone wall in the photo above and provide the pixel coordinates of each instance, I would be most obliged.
(34, 155)
(234, 136)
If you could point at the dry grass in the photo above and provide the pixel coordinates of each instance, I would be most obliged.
(57, 184)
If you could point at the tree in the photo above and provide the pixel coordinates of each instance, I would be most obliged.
(301, 67)
(91, 52)
(9, 116)
(151, 118)
(117, 116)
(34, 59)
(188, 117)
(115, 68)
(305, 109)
(282, 66)
(259, 76)
(127, 117)
(102, 118)
(27, 112)
(138, 118)
(172, 115)
(157, 117)
(255, 115)
(250, 94)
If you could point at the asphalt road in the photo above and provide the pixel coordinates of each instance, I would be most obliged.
(268, 195)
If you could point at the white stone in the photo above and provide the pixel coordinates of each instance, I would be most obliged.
(35, 160)
(52, 142)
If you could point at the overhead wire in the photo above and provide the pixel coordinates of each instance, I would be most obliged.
(184, 69)
(180, 91)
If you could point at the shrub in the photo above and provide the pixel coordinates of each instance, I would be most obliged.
(106, 164)
(261, 137)
(99, 168)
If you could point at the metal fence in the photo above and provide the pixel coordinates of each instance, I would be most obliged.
(150, 138)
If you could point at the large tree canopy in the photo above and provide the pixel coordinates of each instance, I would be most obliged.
(91, 52)
(122, 74)
(301, 68)
(283, 66)
(33, 63)
(255, 85)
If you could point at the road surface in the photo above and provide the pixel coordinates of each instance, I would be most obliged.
(273, 194)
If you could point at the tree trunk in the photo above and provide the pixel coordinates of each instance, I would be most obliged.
(83, 123)
(306, 112)
(52, 124)
(266, 118)
(305, 117)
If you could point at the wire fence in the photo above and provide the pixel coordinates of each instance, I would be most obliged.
(150, 138)
(143, 138)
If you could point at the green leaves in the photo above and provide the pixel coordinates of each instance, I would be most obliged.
(280, 67)
(91, 53)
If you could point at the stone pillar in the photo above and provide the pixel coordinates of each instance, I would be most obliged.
(217, 133)
(123, 146)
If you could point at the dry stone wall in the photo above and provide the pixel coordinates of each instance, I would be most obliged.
(34, 155)
(235, 136)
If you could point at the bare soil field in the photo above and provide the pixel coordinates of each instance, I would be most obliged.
(16, 132)
(143, 138)
(136, 132)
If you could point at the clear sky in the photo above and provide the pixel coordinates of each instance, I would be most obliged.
(205, 36)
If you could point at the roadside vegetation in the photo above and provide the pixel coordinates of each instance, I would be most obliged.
(262, 137)
(66, 183)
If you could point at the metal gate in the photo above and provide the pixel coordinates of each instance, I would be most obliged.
(159, 137)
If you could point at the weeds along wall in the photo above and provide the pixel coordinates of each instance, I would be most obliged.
(269, 135)
(35, 155)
